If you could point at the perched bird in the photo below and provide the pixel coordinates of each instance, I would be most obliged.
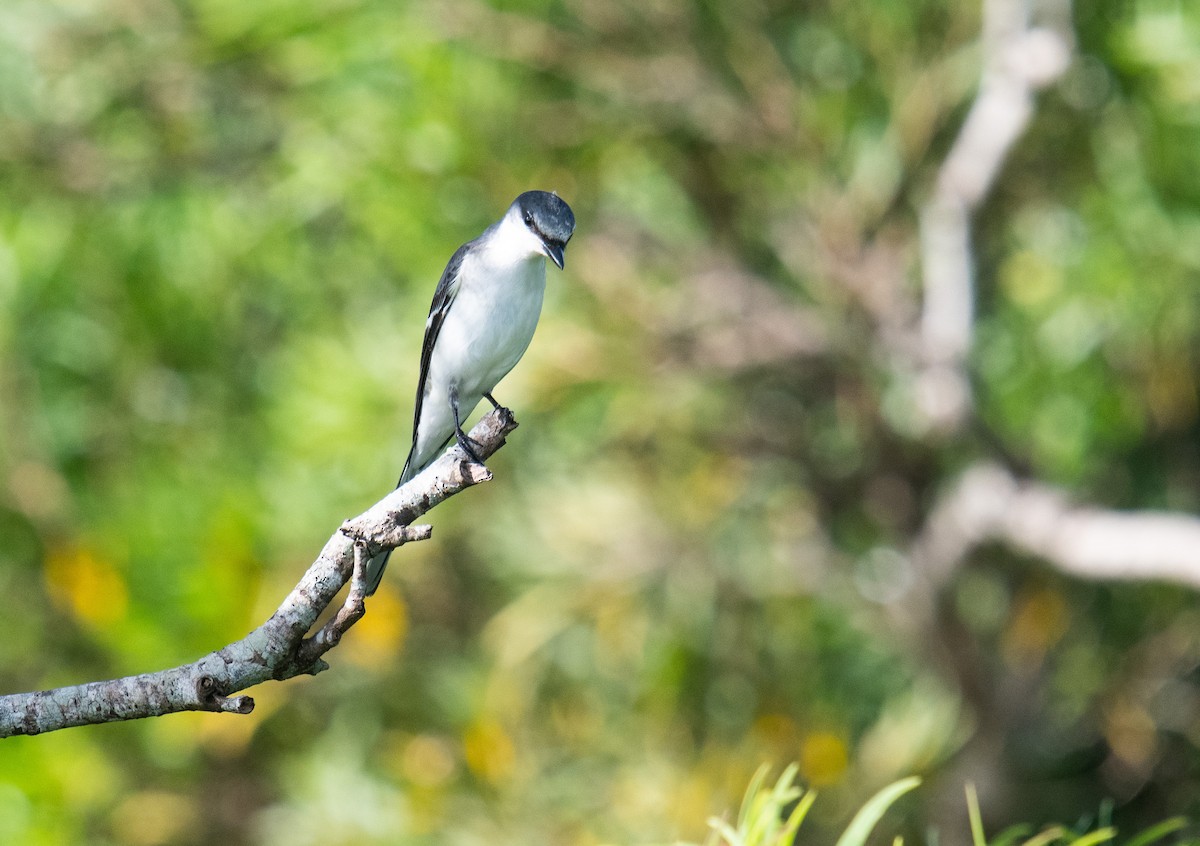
(484, 311)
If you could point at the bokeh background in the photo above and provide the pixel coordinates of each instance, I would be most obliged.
(220, 226)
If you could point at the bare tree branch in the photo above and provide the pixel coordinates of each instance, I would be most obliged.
(989, 505)
(280, 648)
(1019, 59)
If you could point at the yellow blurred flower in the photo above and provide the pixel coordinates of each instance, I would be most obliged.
(489, 751)
(823, 758)
(86, 585)
(153, 817)
(1040, 621)
(379, 635)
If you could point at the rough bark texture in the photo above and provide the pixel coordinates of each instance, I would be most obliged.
(280, 648)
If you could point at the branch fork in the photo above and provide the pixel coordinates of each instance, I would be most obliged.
(281, 648)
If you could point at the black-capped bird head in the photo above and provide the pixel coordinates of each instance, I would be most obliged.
(548, 217)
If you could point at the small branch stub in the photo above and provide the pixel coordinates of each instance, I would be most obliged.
(208, 693)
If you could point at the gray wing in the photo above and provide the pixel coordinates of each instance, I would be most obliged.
(443, 298)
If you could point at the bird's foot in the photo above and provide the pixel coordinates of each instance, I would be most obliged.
(497, 406)
(468, 446)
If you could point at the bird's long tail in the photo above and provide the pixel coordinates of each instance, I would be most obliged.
(376, 566)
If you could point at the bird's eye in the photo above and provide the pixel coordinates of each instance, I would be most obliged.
(529, 218)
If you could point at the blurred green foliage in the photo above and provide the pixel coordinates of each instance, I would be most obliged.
(220, 226)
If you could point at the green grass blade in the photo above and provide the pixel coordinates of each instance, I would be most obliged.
(796, 818)
(864, 821)
(726, 831)
(752, 791)
(1100, 835)
(1045, 838)
(761, 825)
(1158, 831)
(977, 835)
(761, 816)
(1011, 835)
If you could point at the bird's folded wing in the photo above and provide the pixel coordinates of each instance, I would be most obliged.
(443, 298)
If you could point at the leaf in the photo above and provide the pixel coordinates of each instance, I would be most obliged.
(1100, 835)
(977, 835)
(752, 790)
(1158, 831)
(864, 821)
(796, 818)
(761, 825)
(726, 831)
(1011, 834)
(1044, 838)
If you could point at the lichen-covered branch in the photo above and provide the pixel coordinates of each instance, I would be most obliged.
(280, 648)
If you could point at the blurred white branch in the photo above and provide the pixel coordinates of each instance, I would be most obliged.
(989, 505)
(1019, 59)
(280, 648)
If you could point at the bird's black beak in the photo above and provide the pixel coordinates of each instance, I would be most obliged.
(555, 252)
